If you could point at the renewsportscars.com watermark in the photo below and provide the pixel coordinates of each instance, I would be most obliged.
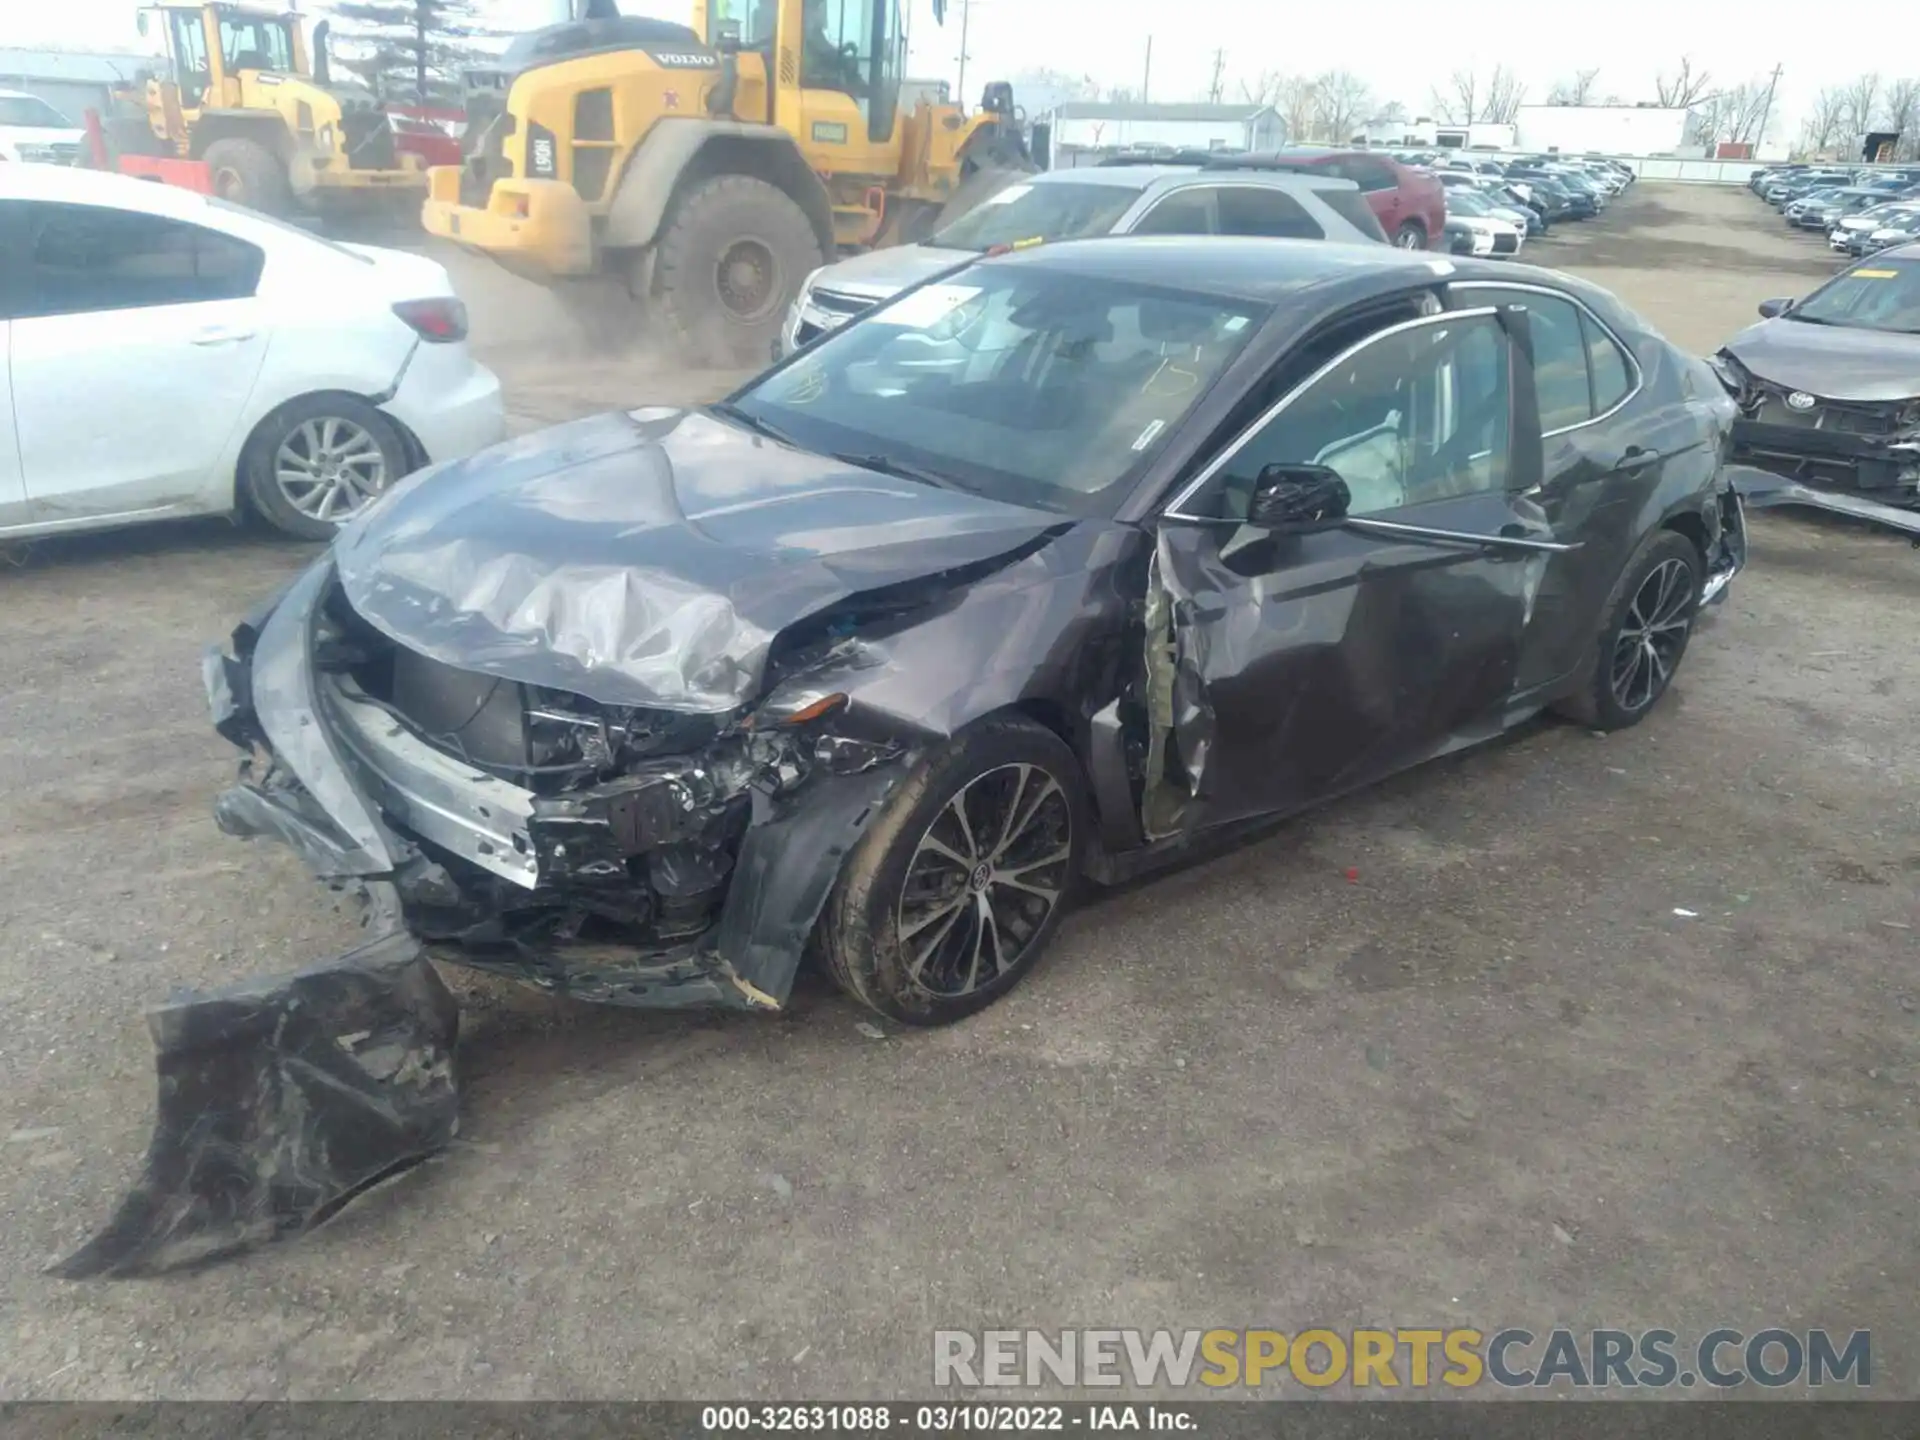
(1394, 1359)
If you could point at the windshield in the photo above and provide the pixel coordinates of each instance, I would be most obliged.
(1882, 294)
(30, 110)
(1027, 214)
(1025, 384)
(1466, 202)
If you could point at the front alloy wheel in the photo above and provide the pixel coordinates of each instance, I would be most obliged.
(951, 896)
(984, 880)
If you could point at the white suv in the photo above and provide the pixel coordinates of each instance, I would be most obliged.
(33, 131)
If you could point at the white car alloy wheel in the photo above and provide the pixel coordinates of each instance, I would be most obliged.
(329, 468)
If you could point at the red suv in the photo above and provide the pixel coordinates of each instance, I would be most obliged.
(1411, 205)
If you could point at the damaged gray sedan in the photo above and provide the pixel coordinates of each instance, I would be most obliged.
(1829, 393)
(1048, 570)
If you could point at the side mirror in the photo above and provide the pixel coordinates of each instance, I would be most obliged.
(1297, 497)
(1771, 308)
(140, 22)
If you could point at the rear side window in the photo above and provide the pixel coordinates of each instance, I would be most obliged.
(1352, 207)
(1185, 212)
(1612, 376)
(1371, 174)
(1247, 210)
(1578, 370)
(84, 258)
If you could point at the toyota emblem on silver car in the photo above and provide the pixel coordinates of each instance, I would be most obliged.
(1800, 400)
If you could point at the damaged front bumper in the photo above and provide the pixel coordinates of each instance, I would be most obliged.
(491, 874)
(282, 1098)
(1871, 449)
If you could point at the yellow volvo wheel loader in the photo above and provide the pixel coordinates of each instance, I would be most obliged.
(277, 133)
(713, 166)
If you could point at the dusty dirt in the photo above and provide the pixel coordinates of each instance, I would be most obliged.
(1495, 1078)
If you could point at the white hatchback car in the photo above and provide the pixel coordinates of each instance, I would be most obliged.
(169, 354)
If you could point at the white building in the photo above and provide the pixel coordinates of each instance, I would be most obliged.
(1088, 125)
(1604, 129)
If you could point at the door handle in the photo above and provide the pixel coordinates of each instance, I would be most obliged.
(1637, 458)
(221, 335)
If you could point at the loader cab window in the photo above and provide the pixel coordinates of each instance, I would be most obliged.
(854, 46)
(252, 42)
(191, 70)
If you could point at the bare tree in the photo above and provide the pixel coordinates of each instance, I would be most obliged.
(1681, 89)
(1504, 96)
(1262, 89)
(1577, 91)
(1341, 100)
(1731, 116)
(1862, 99)
(1825, 122)
(1299, 106)
(1901, 110)
(1468, 99)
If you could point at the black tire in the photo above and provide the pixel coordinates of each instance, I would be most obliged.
(764, 242)
(248, 173)
(261, 487)
(1411, 235)
(1600, 703)
(861, 931)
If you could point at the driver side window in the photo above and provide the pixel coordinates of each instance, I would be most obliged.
(1417, 414)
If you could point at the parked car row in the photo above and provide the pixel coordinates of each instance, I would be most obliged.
(1860, 210)
(1532, 193)
(1298, 194)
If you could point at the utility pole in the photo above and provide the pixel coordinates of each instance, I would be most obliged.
(1219, 64)
(1766, 113)
(1146, 76)
(966, 13)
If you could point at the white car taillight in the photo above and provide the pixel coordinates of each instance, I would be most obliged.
(439, 321)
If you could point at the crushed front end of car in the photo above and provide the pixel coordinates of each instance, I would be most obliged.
(667, 841)
(1859, 450)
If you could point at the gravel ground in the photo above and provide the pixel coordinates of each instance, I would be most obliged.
(1447, 1053)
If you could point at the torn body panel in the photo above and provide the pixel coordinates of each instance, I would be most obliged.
(279, 1101)
(1364, 648)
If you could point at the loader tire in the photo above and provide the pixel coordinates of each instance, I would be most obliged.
(247, 173)
(729, 265)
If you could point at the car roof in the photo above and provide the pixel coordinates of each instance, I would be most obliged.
(1139, 177)
(68, 184)
(1256, 269)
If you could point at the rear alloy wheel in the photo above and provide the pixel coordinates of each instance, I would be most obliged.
(950, 898)
(1643, 637)
(315, 464)
(1410, 236)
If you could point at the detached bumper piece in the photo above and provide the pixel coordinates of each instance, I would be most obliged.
(1762, 490)
(279, 1101)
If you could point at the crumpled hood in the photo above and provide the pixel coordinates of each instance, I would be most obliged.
(1832, 361)
(649, 558)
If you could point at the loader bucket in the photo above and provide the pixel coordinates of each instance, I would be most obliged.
(280, 1100)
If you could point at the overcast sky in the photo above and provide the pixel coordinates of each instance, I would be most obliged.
(1402, 48)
